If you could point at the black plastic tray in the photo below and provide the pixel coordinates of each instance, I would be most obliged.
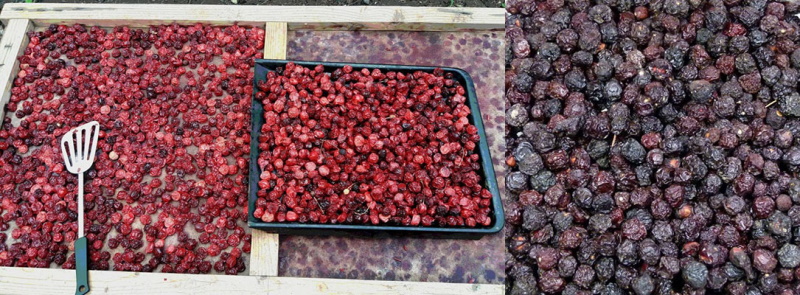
(263, 66)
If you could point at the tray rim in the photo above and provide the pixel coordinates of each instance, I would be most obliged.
(487, 168)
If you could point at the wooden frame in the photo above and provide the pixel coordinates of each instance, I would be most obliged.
(305, 17)
(19, 280)
(278, 21)
(10, 48)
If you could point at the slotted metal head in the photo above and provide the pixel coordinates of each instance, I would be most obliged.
(79, 145)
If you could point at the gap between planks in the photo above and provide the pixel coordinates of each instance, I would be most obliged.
(22, 280)
(297, 17)
(263, 245)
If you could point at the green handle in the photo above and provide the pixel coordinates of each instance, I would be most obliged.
(81, 266)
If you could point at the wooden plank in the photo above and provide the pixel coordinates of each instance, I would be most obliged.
(59, 281)
(264, 246)
(17, 280)
(305, 17)
(13, 44)
(306, 286)
(264, 253)
(275, 38)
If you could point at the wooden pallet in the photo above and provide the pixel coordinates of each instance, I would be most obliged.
(278, 21)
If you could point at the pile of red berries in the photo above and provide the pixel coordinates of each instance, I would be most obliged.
(167, 191)
(368, 147)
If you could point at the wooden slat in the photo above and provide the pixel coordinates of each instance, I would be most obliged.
(306, 17)
(14, 280)
(13, 44)
(285, 285)
(275, 40)
(58, 281)
(264, 254)
(264, 246)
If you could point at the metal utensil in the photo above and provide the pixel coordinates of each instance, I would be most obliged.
(78, 147)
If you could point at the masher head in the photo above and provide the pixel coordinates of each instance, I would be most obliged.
(78, 147)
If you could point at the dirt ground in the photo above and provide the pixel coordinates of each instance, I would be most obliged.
(445, 3)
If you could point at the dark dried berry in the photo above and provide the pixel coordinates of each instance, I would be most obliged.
(600, 222)
(524, 283)
(695, 274)
(600, 13)
(550, 282)
(676, 7)
(583, 276)
(716, 278)
(516, 181)
(632, 150)
(628, 253)
(575, 80)
(533, 218)
(790, 105)
(751, 83)
(763, 206)
(713, 254)
(605, 268)
(567, 266)
(779, 224)
(649, 251)
(643, 285)
(764, 261)
(634, 229)
(517, 115)
(543, 141)
(745, 63)
(528, 161)
(701, 90)
(789, 256)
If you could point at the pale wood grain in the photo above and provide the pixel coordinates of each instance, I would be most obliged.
(264, 254)
(276, 35)
(59, 281)
(17, 280)
(310, 286)
(297, 17)
(13, 44)
(264, 246)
